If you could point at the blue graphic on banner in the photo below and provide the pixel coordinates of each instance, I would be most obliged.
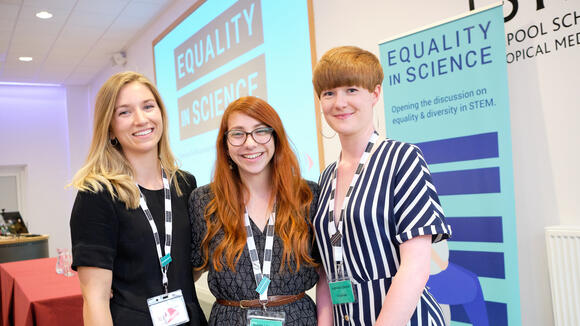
(445, 89)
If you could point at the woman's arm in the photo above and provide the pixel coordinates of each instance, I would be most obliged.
(323, 301)
(408, 283)
(96, 289)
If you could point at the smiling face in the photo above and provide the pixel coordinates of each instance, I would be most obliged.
(137, 122)
(251, 158)
(349, 109)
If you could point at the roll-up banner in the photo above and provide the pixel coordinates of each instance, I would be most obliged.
(446, 90)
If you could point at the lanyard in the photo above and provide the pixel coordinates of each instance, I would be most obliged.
(163, 260)
(333, 229)
(262, 276)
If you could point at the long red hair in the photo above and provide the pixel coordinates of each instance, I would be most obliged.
(226, 209)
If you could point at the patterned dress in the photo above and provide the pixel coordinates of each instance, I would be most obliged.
(241, 285)
(393, 201)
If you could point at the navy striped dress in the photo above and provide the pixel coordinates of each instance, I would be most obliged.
(393, 201)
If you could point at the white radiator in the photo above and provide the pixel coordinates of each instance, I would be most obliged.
(563, 247)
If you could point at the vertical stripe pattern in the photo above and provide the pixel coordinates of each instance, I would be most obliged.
(168, 227)
(392, 201)
(335, 228)
(260, 273)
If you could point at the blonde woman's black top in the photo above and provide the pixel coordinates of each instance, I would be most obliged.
(107, 235)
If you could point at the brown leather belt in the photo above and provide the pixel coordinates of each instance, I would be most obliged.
(273, 301)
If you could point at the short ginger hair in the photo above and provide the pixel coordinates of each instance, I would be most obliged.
(347, 66)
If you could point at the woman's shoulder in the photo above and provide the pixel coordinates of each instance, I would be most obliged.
(204, 190)
(201, 194)
(315, 189)
(186, 178)
(403, 146)
(186, 174)
(198, 201)
(96, 192)
(93, 203)
(400, 151)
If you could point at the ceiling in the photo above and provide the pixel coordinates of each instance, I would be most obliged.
(74, 45)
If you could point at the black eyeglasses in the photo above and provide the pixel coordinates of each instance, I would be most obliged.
(237, 137)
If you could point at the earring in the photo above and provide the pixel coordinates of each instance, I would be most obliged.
(325, 136)
(114, 142)
(322, 127)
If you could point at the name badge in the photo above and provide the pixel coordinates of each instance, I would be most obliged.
(257, 317)
(341, 290)
(168, 309)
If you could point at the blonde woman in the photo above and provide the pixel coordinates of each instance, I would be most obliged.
(129, 227)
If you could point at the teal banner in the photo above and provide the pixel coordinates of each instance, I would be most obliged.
(446, 90)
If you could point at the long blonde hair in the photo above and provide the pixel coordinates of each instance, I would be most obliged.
(106, 165)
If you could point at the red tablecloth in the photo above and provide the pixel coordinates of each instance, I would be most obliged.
(33, 294)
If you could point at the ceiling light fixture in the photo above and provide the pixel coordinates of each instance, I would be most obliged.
(44, 15)
(3, 83)
(25, 59)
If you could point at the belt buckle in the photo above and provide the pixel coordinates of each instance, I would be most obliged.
(242, 304)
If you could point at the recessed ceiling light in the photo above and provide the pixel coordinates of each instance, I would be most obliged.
(2, 83)
(25, 59)
(43, 15)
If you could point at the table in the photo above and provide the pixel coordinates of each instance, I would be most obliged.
(23, 247)
(33, 294)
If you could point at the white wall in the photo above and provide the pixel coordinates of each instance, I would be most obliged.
(34, 133)
(79, 118)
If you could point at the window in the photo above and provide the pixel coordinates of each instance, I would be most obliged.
(11, 188)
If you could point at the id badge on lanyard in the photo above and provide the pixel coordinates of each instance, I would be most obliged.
(262, 317)
(257, 317)
(342, 289)
(167, 309)
(341, 286)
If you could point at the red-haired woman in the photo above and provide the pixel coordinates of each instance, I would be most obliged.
(252, 225)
